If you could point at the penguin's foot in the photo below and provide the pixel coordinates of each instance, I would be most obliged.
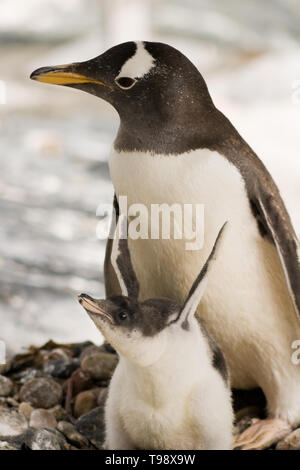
(262, 434)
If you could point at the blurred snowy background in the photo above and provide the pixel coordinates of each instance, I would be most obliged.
(54, 141)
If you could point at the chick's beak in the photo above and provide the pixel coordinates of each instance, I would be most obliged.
(63, 75)
(94, 307)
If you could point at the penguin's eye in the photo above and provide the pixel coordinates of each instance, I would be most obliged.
(122, 316)
(125, 82)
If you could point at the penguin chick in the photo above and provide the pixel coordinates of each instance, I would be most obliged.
(170, 389)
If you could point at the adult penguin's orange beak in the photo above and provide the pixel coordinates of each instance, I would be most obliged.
(64, 75)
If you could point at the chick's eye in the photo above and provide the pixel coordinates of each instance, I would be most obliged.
(125, 82)
(122, 316)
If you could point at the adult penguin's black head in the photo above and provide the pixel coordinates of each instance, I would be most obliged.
(152, 86)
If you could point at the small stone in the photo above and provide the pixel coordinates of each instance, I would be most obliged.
(6, 386)
(244, 418)
(29, 374)
(45, 439)
(41, 393)
(290, 442)
(73, 436)
(242, 424)
(25, 409)
(57, 353)
(78, 348)
(59, 413)
(91, 425)
(12, 402)
(7, 446)
(42, 419)
(81, 380)
(61, 368)
(11, 423)
(102, 396)
(2, 401)
(100, 365)
(84, 402)
(90, 350)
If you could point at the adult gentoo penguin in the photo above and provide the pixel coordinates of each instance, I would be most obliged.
(173, 145)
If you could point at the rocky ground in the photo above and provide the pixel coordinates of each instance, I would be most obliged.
(53, 397)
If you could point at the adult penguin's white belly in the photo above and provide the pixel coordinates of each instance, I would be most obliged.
(246, 306)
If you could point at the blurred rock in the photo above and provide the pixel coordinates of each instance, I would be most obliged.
(6, 386)
(100, 365)
(41, 418)
(57, 354)
(7, 446)
(41, 393)
(78, 348)
(11, 423)
(29, 374)
(45, 439)
(89, 351)
(61, 368)
(84, 402)
(11, 401)
(91, 425)
(59, 413)
(80, 380)
(72, 435)
(25, 409)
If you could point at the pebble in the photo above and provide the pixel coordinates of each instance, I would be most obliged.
(72, 435)
(7, 446)
(6, 386)
(290, 442)
(57, 353)
(90, 350)
(45, 439)
(61, 368)
(91, 425)
(81, 380)
(84, 402)
(30, 374)
(100, 365)
(59, 413)
(78, 348)
(42, 419)
(11, 423)
(242, 425)
(11, 401)
(25, 409)
(244, 418)
(41, 393)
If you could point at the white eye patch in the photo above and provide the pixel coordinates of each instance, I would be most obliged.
(138, 65)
